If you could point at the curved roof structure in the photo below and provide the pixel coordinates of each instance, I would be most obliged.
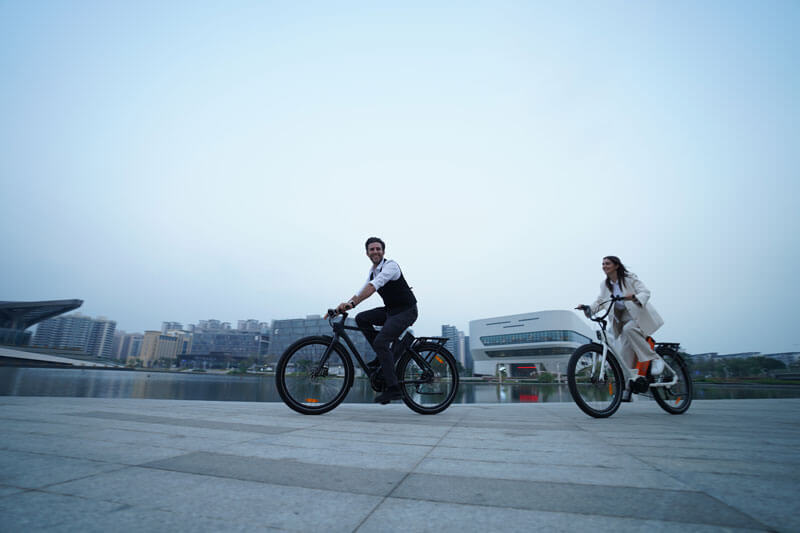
(22, 315)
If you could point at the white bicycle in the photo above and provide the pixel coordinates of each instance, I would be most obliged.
(597, 380)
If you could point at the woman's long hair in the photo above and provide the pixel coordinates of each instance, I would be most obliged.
(622, 272)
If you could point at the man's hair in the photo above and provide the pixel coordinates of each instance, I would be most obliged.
(374, 239)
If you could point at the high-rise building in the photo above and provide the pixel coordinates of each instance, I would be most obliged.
(171, 326)
(212, 337)
(130, 346)
(455, 343)
(70, 332)
(252, 326)
(101, 338)
(116, 346)
(77, 332)
(185, 340)
(158, 347)
(469, 362)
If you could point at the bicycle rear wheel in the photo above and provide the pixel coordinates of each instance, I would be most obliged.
(677, 398)
(597, 391)
(428, 391)
(310, 385)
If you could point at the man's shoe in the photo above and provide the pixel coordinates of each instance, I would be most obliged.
(374, 363)
(656, 367)
(389, 395)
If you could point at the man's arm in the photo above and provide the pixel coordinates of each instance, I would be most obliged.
(390, 272)
(366, 291)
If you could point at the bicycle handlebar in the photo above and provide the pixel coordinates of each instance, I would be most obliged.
(333, 313)
(588, 310)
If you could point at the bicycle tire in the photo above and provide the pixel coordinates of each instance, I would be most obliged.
(436, 393)
(303, 389)
(597, 398)
(676, 399)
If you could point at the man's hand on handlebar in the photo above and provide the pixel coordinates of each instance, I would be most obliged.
(341, 308)
(344, 306)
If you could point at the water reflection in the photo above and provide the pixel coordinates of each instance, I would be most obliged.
(162, 385)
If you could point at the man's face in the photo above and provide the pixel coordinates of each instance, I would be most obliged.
(375, 252)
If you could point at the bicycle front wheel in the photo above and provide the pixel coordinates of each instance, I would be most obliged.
(676, 398)
(308, 382)
(428, 389)
(595, 388)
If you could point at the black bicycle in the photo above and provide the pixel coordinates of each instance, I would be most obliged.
(315, 373)
(596, 379)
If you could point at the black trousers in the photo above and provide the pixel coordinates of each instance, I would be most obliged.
(392, 326)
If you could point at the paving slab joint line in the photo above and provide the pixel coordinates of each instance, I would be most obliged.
(410, 471)
(122, 467)
(662, 471)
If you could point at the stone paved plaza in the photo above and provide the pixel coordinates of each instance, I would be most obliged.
(83, 464)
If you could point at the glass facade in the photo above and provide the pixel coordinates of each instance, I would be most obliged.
(555, 335)
(532, 352)
(236, 343)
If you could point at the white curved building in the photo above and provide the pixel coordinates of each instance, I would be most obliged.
(528, 344)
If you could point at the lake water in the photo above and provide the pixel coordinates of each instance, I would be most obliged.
(250, 388)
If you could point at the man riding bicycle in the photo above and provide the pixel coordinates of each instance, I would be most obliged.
(398, 313)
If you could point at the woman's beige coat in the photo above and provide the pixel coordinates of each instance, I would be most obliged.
(643, 312)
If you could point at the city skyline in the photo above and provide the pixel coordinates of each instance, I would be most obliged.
(190, 159)
(461, 334)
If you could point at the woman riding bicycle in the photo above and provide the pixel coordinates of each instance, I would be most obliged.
(634, 319)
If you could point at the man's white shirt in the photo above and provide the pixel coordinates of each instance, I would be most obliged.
(383, 273)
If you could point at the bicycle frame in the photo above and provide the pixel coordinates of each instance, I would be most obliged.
(339, 332)
(603, 338)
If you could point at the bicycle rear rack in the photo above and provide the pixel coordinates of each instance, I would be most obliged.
(441, 341)
(673, 345)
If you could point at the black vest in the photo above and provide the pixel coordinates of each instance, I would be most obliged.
(397, 295)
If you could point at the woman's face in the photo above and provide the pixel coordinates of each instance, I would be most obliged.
(609, 266)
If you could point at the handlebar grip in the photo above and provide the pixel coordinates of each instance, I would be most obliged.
(332, 312)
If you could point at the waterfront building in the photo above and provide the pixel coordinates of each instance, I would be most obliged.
(116, 346)
(70, 332)
(101, 338)
(17, 317)
(215, 338)
(130, 346)
(252, 325)
(171, 326)
(455, 343)
(469, 364)
(527, 344)
(158, 347)
(451, 333)
(77, 332)
(786, 357)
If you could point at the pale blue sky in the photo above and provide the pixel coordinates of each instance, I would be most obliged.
(192, 160)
